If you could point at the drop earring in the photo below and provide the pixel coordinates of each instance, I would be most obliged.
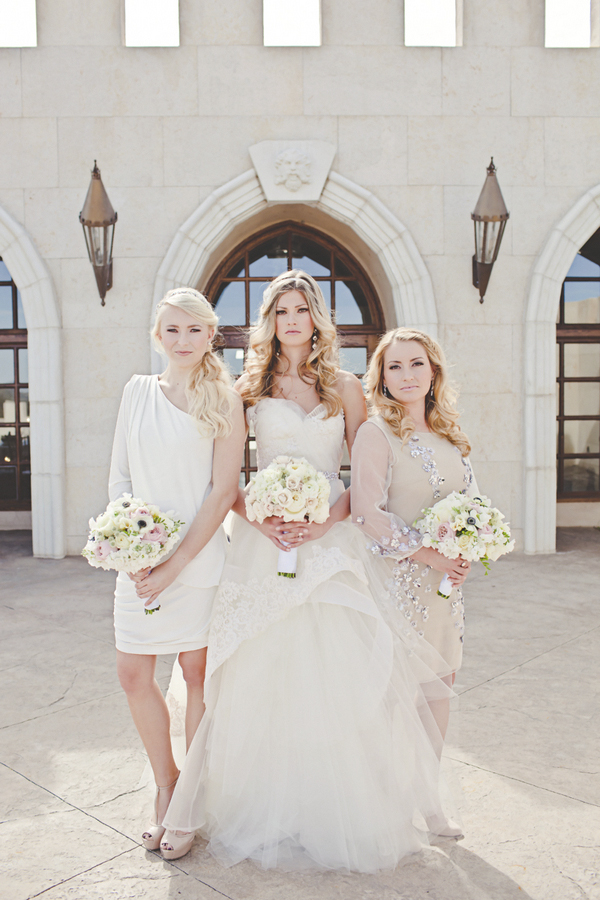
(386, 392)
(431, 392)
(314, 339)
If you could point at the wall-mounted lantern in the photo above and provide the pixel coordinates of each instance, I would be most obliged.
(490, 217)
(98, 220)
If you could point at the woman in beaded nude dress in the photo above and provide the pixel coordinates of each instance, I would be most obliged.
(178, 444)
(313, 750)
(410, 454)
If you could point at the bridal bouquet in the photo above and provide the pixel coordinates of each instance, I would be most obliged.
(467, 527)
(131, 535)
(295, 491)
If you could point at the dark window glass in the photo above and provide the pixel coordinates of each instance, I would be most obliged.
(269, 259)
(7, 405)
(15, 476)
(257, 289)
(238, 269)
(310, 256)
(350, 303)
(578, 379)
(7, 365)
(6, 306)
(8, 483)
(231, 304)
(23, 366)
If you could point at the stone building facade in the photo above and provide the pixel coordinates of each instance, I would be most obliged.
(397, 140)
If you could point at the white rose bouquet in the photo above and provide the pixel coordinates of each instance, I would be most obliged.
(467, 527)
(131, 535)
(293, 490)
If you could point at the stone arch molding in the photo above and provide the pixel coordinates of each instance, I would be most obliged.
(45, 384)
(549, 272)
(243, 197)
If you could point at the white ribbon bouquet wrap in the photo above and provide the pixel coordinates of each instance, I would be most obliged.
(469, 527)
(293, 490)
(131, 535)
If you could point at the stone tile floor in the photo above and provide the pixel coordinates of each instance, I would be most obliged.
(523, 749)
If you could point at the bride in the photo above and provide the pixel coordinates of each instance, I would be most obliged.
(313, 749)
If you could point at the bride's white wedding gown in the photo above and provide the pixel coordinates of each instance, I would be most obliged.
(313, 749)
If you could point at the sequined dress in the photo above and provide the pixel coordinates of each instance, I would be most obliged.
(317, 747)
(391, 485)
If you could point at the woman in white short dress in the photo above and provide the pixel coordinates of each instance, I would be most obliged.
(312, 750)
(178, 444)
(409, 455)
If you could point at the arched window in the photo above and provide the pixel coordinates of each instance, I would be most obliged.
(236, 290)
(578, 381)
(15, 470)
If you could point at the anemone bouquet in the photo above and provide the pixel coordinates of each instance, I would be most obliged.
(469, 527)
(293, 490)
(130, 535)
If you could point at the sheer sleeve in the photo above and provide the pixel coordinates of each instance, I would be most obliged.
(472, 490)
(119, 479)
(371, 471)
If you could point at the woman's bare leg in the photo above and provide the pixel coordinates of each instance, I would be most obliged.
(193, 664)
(440, 709)
(151, 718)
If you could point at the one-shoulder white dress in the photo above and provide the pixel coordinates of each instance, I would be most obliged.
(312, 750)
(160, 457)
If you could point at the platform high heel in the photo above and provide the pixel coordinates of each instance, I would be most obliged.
(176, 844)
(152, 836)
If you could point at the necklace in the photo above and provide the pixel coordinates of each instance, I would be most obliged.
(292, 394)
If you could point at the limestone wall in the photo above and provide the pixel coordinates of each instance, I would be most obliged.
(416, 126)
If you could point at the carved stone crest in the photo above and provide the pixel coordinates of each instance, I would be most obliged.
(292, 169)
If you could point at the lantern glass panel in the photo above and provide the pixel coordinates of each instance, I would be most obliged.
(487, 238)
(97, 239)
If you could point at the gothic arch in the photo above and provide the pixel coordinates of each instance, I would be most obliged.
(191, 249)
(45, 384)
(549, 272)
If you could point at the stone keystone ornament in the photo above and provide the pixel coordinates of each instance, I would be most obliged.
(292, 171)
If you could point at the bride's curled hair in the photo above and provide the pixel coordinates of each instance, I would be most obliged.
(440, 409)
(320, 368)
(208, 389)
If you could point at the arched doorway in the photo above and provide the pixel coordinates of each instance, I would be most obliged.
(33, 280)
(15, 463)
(404, 275)
(237, 285)
(541, 370)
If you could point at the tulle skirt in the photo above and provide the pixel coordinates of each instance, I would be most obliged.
(317, 747)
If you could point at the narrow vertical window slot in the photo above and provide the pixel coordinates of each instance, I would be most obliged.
(568, 23)
(292, 23)
(433, 23)
(151, 23)
(18, 23)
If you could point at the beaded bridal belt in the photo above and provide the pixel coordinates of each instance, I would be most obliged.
(331, 476)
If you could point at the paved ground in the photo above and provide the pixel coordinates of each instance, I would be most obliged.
(524, 741)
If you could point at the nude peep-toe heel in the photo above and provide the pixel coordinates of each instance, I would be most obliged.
(444, 828)
(176, 844)
(152, 836)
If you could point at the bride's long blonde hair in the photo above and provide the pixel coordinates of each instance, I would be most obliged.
(320, 368)
(208, 389)
(440, 409)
